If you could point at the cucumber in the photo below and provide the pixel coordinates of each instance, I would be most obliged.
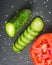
(21, 42)
(38, 25)
(17, 23)
(29, 34)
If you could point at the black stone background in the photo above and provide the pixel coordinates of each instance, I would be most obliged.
(8, 8)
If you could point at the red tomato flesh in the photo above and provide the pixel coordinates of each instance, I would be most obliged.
(41, 50)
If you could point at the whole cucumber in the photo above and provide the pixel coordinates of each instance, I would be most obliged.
(17, 22)
(29, 34)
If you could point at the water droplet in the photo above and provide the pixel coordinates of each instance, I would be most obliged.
(16, 11)
(5, 22)
(30, 2)
(47, 0)
(2, 47)
(25, 0)
(4, 50)
(49, 12)
(33, 14)
(9, 44)
(4, 38)
(48, 21)
(36, 13)
(12, 6)
(9, 39)
(4, 59)
(44, 2)
(42, 16)
(5, 42)
(6, 15)
(18, 52)
(27, 61)
(34, 1)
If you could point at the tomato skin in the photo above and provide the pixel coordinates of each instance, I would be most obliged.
(41, 50)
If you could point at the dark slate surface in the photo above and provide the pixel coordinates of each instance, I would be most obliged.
(8, 8)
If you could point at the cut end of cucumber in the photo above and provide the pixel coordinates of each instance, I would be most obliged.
(10, 29)
(37, 24)
(14, 49)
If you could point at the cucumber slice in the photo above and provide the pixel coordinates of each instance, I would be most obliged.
(21, 42)
(28, 35)
(10, 29)
(18, 46)
(33, 33)
(37, 24)
(15, 49)
(25, 40)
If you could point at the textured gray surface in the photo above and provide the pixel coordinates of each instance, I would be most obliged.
(42, 8)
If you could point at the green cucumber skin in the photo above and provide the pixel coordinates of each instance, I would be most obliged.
(26, 37)
(20, 20)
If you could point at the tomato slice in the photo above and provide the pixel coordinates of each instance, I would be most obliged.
(41, 50)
